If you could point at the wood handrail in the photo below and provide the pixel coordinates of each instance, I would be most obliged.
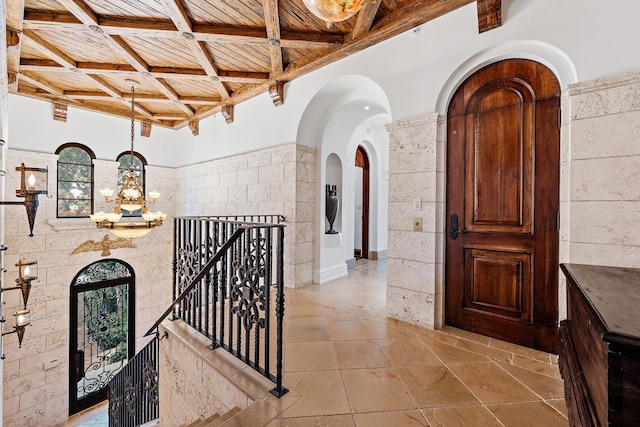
(208, 266)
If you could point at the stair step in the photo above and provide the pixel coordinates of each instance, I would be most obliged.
(208, 421)
(194, 423)
(224, 418)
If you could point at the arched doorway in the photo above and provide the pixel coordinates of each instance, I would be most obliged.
(102, 325)
(501, 268)
(361, 211)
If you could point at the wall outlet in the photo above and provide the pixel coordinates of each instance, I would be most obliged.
(417, 223)
(417, 204)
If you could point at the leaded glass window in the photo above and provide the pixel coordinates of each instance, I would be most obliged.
(125, 162)
(75, 181)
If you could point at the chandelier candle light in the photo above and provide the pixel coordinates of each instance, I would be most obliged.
(130, 198)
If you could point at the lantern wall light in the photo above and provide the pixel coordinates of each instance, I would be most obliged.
(33, 182)
(27, 272)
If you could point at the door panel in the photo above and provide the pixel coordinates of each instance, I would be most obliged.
(502, 184)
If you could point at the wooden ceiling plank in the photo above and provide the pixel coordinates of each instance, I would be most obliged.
(42, 84)
(178, 15)
(203, 57)
(272, 22)
(122, 48)
(366, 15)
(50, 50)
(489, 14)
(173, 95)
(80, 10)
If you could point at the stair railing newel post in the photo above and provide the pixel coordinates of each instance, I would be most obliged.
(279, 390)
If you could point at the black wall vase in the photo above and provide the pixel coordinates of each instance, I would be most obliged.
(332, 205)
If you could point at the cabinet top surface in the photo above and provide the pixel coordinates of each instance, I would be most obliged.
(614, 292)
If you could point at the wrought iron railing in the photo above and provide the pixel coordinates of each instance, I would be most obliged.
(236, 299)
(133, 392)
(229, 285)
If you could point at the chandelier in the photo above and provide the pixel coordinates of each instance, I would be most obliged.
(130, 197)
(333, 10)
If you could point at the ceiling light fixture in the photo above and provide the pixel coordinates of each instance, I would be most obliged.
(130, 197)
(334, 10)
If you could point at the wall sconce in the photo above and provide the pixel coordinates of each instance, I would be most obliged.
(33, 181)
(27, 272)
(22, 320)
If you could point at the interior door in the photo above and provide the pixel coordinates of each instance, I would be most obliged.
(361, 224)
(501, 263)
(101, 330)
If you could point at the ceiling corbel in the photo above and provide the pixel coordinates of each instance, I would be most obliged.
(276, 92)
(489, 14)
(145, 129)
(59, 112)
(194, 126)
(227, 113)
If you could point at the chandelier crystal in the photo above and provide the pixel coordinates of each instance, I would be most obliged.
(130, 198)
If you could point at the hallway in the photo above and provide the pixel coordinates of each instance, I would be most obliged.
(346, 366)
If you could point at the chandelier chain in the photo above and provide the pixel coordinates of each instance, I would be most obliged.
(133, 98)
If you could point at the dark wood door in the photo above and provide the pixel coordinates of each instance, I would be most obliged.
(503, 192)
(362, 161)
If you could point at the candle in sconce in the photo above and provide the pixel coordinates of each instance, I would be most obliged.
(32, 182)
(26, 274)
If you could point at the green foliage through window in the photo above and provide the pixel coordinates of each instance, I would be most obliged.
(75, 182)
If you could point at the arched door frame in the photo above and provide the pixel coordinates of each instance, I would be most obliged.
(362, 160)
(127, 278)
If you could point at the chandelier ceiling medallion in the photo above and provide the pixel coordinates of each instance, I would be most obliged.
(130, 197)
(334, 10)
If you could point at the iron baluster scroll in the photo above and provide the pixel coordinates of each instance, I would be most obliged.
(134, 392)
(238, 299)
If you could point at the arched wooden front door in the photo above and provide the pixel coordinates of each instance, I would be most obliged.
(361, 211)
(102, 325)
(502, 204)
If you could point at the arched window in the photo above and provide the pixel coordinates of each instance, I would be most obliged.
(139, 163)
(75, 180)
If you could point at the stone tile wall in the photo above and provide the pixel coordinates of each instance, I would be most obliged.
(277, 180)
(416, 172)
(35, 391)
(605, 171)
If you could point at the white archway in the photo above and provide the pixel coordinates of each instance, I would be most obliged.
(342, 115)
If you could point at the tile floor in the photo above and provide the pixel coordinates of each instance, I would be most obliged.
(347, 365)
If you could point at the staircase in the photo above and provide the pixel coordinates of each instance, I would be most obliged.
(215, 420)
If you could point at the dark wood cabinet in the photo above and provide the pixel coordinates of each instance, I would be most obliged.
(599, 345)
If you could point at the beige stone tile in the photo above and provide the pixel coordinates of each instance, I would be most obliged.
(430, 335)
(321, 393)
(258, 414)
(307, 332)
(408, 352)
(433, 386)
(341, 330)
(360, 354)
(465, 334)
(461, 416)
(559, 405)
(544, 386)
(528, 414)
(520, 350)
(323, 421)
(536, 366)
(491, 384)
(452, 355)
(388, 328)
(378, 389)
(310, 356)
(479, 348)
(391, 419)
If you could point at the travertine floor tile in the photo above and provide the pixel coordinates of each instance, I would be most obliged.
(310, 356)
(408, 352)
(321, 393)
(491, 384)
(433, 386)
(324, 421)
(451, 355)
(344, 330)
(386, 392)
(391, 419)
(360, 354)
(306, 332)
(530, 414)
(461, 416)
(544, 386)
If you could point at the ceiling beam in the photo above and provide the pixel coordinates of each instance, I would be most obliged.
(366, 15)
(489, 14)
(272, 22)
(14, 11)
